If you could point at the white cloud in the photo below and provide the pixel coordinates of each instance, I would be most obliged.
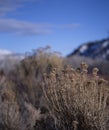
(27, 28)
(13, 2)
(14, 26)
(69, 26)
(4, 10)
(5, 52)
(22, 27)
(7, 6)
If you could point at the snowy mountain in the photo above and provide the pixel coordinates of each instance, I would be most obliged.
(96, 50)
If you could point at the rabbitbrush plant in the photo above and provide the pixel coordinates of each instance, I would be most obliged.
(77, 100)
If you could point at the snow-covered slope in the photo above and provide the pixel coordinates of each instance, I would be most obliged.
(97, 49)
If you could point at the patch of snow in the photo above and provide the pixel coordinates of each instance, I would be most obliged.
(105, 44)
(5, 52)
(104, 56)
(83, 48)
(107, 52)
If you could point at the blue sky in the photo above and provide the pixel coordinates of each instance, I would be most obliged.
(62, 24)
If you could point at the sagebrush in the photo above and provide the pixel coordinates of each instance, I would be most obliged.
(76, 99)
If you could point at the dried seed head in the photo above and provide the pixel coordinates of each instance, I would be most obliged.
(85, 71)
(95, 71)
(72, 69)
(102, 81)
(52, 74)
(84, 65)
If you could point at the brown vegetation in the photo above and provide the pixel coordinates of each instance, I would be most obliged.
(78, 101)
(21, 91)
(71, 99)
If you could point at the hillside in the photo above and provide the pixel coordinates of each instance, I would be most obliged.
(96, 50)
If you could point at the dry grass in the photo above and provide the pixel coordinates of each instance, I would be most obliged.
(78, 101)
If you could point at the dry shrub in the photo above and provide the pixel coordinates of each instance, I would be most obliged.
(10, 117)
(16, 112)
(28, 75)
(77, 100)
(46, 122)
(30, 115)
(21, 90)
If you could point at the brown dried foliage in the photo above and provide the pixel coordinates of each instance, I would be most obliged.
(77, 100)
